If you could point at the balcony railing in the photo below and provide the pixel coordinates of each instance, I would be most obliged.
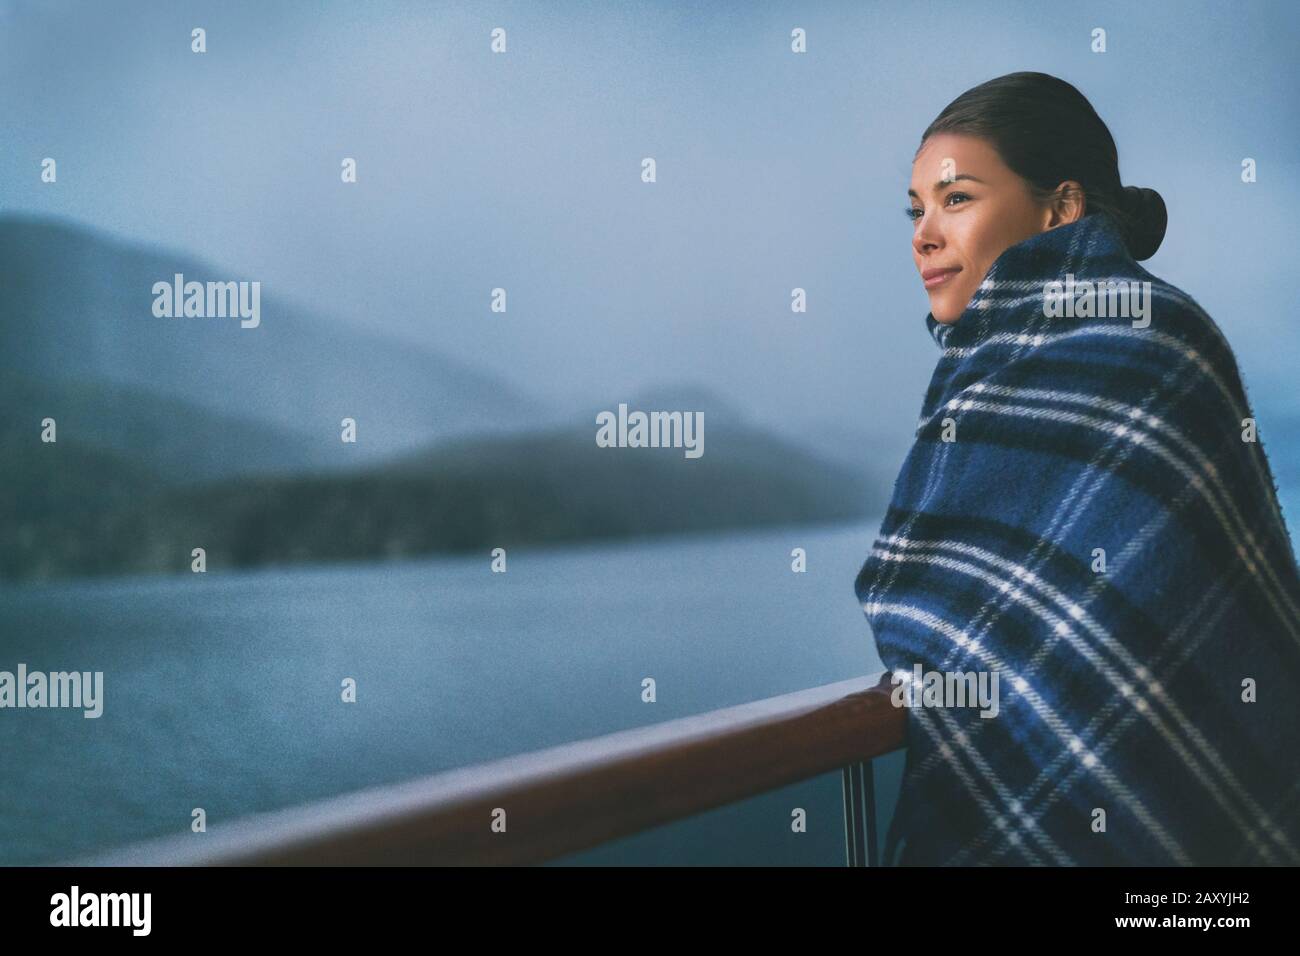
(575, 796)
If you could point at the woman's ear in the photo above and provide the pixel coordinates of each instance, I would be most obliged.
(1067, 205)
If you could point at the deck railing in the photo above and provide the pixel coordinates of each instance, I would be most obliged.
(572, 797)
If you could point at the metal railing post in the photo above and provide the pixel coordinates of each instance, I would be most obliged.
(860, 846)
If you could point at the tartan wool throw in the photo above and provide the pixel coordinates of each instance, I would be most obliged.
(1087, 514)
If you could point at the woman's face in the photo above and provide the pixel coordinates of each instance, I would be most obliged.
(967, 208)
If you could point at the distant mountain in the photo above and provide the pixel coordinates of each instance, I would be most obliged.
(177, 433)
(460, 495)
(874, 448)
(171, 439)
(77, 307)
(870, 448)
(60, 505)
(686, 396)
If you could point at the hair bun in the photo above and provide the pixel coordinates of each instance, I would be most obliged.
(1147, 218)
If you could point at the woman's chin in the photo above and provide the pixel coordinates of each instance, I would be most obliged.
(947, 305)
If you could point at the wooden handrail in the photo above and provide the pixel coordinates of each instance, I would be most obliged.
(562, 799)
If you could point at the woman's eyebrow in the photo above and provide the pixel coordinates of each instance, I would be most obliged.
(945, 182)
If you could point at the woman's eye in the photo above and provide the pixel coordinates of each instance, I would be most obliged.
(913, 213)
(961, 196)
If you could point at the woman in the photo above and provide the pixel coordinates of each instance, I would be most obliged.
(1087, 520)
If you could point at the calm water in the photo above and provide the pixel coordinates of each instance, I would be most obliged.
(222, 691)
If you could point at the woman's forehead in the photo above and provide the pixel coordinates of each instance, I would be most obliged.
(944, 155)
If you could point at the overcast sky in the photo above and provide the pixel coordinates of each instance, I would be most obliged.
(522, 170)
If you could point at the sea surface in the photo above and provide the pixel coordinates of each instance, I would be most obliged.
(223, 691)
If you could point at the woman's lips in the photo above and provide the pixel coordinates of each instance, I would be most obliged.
(937, 277)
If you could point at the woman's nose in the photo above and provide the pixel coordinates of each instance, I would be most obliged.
(927, 236)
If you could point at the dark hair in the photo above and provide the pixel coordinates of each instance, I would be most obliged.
(1047, 132)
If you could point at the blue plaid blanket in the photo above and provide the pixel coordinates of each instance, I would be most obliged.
(1088, 516)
